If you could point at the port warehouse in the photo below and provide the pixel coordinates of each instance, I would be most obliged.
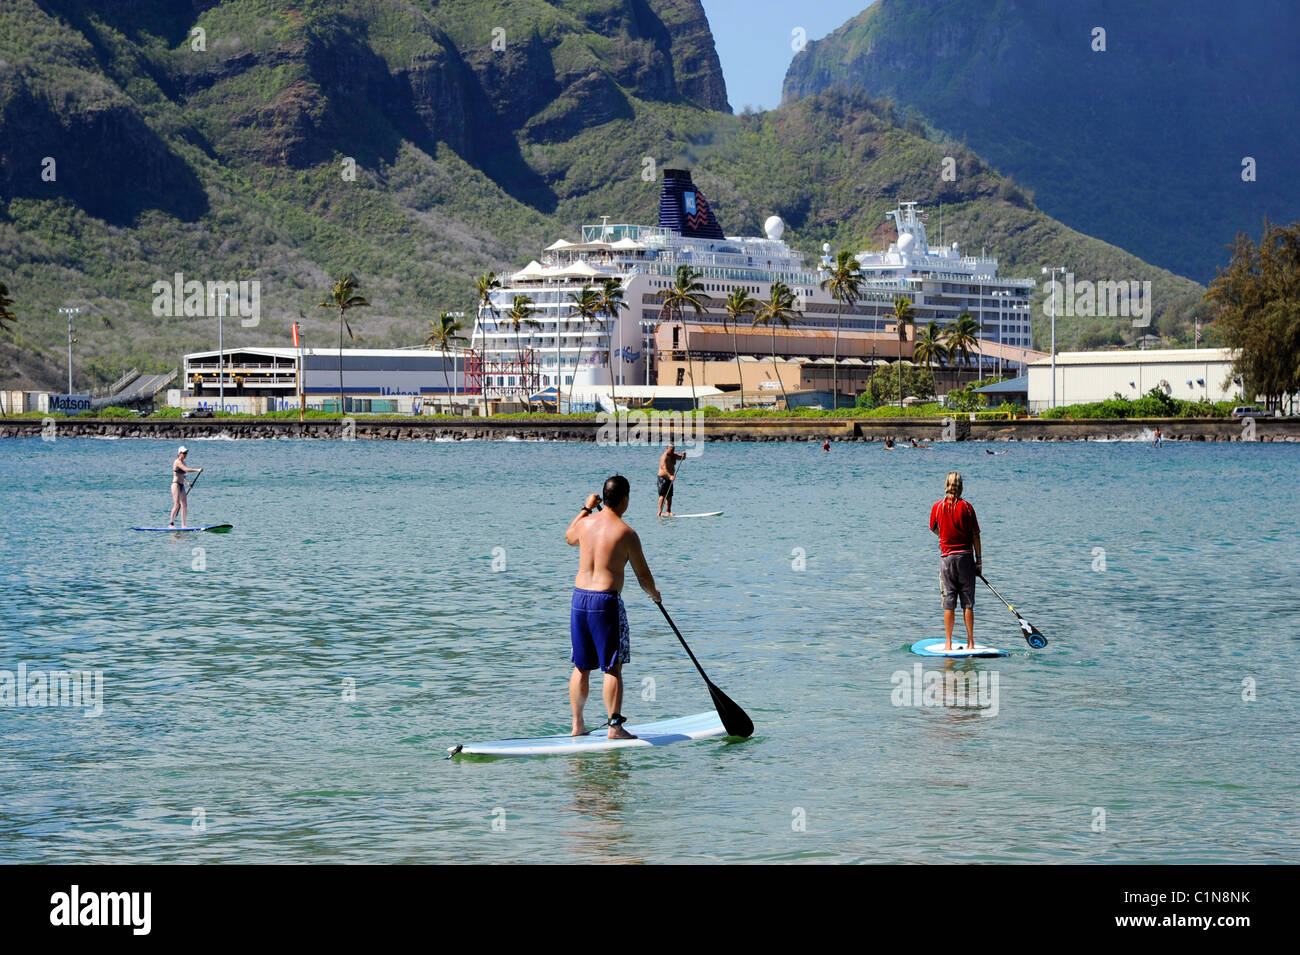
(1191, 374)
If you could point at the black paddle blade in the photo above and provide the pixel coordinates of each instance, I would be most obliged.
(735, 720)
(1033, 636)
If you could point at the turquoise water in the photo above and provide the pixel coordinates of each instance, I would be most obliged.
(223, 687)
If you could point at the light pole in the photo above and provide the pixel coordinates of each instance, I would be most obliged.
(1052, 272)
(70, 312)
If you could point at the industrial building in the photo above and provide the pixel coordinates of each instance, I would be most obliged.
(1190, 374)
(276, 376)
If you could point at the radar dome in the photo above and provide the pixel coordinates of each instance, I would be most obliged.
(774, 227)
(906, 241)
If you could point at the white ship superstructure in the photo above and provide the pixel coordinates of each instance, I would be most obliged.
(943, 283)
(561, 349)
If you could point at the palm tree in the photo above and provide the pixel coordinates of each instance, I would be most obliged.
(778, 309)
(521, 313)
(963, 336)
(685, 292)
(484, 286)
(587, 304)
(608, 302)
(343, 297)
(443, 335)
(844, 282)
(930, 347)
(739, 303)
(7, 318)
(904, 315)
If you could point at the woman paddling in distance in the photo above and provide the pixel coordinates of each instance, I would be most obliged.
(960, 556)
(180, 490)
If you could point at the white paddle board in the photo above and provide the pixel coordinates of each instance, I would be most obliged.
(706, 514)
(933, 647)
(660, 733)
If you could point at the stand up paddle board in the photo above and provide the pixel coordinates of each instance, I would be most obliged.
(706, 514)
(933, 647)
(214, 528)
(661, 733)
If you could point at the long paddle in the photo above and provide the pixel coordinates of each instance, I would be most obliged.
(1033, 636)
(194, 482)
(735, 720)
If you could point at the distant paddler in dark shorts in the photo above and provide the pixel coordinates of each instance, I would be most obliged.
(668, 477)
(597, 619)
(960, 557)
(180, 490)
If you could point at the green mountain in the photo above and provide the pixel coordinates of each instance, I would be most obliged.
(414, 144)
(1141, 144)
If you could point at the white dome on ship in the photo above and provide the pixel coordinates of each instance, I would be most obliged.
(906, 241)
(774, 227)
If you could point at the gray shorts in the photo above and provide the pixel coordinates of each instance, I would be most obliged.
(957, 579)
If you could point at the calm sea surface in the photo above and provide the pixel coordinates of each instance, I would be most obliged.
(1168, 581)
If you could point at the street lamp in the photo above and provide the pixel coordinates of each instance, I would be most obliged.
(70, 312)
(1052, 272)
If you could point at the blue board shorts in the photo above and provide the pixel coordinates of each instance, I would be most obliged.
(957, 579)
(599, 631)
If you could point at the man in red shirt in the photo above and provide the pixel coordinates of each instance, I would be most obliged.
(960, 556)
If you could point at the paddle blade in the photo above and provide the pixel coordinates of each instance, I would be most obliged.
(735, 720)
(1033, 636)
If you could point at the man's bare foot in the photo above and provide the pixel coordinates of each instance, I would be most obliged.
(580, 729)
(617, 732)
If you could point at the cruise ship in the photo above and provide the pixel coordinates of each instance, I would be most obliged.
(640, 348)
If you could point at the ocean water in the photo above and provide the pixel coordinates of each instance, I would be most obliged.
(286, 692)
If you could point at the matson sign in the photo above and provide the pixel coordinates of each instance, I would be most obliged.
(69, 404)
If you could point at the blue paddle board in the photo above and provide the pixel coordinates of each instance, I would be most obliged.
(661, 733)
(933, 647)
(214, 528)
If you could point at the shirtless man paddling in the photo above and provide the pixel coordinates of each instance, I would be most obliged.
(597, 619)
(667, 478)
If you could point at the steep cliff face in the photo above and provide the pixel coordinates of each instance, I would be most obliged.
(290, 85)
(1141, 143)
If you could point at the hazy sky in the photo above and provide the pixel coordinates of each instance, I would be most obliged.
(755, 41)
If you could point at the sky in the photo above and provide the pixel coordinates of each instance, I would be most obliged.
(755, 40)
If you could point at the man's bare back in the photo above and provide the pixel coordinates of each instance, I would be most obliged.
(605, 547)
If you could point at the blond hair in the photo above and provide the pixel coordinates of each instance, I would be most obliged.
(952, 485)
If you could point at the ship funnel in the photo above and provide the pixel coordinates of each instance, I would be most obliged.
(684, 209)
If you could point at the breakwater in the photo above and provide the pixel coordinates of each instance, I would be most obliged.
(702, 429)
